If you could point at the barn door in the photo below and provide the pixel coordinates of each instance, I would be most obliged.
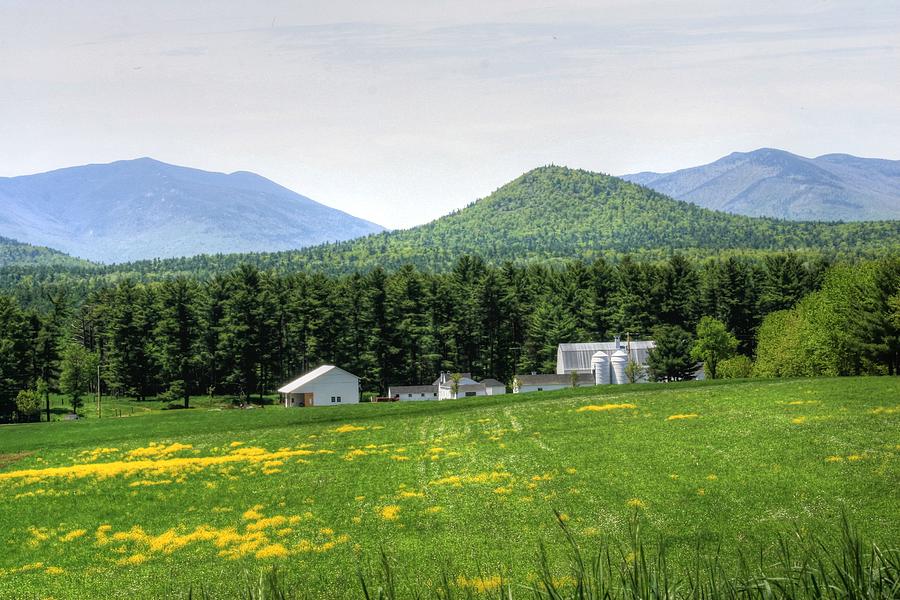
(307, 399)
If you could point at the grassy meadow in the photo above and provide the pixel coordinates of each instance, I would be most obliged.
(153, 506)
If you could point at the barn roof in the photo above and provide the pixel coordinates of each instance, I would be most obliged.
(309, 377)
(492, 383)
(463, 377)
(577, 357)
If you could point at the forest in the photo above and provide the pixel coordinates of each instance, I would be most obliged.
(246, 332)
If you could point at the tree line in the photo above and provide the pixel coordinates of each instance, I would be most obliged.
(246, 332)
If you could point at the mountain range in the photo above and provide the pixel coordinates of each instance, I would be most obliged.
(775, 183)
(551, 214)
(142, 209)
(548, 214)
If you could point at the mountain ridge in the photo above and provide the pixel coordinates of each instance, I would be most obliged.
(554, 214)
(557, 214)
(144, 208)
(769, 182)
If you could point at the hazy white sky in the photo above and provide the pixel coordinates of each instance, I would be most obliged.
(402, 111)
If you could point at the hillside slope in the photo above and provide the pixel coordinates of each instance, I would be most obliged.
(16, 253)
(775, 183)
(143, 209)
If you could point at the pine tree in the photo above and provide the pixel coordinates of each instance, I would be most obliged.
(177, 334)
(670, 359)
(240, 339)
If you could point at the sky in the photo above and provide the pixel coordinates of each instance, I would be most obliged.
(402, 111)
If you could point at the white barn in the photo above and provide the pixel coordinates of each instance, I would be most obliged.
(324, 386)
(577, 357)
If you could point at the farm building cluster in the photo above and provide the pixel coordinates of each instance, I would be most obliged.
(448, 387)
(579, 364)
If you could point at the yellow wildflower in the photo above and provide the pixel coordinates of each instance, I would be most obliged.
(348, 428)
(75, 533)
(480, 584)
(272, 551)
(603, 407)
(390, 512)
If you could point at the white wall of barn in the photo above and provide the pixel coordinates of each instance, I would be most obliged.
(334, 383)
(540, 388)
(416, 396)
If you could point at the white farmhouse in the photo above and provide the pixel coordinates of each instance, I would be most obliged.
(324, 386)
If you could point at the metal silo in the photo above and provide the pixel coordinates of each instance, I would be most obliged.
(600, 367)
(618, 361)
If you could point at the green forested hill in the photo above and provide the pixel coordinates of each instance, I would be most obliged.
(17, 253)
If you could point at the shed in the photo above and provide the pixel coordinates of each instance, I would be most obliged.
(413, 392)
(492, 387)
(547, 382)
(323, 386)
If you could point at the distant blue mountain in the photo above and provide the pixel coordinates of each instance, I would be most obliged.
(775, 183)
(140, 209)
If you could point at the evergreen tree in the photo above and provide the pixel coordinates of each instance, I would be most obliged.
(78, 370)
(212, 319)
(876, 325)
(177, 334)
(383, 341)
(240, 342)
(782, 284)
(129, 330)
(14, 350)
(680, 290)
(671, 359)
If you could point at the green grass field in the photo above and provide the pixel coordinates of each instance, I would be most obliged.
(150, 506)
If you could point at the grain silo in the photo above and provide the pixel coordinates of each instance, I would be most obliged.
(600, 367)
(618, 362)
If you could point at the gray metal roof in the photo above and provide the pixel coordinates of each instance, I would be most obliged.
(492, 383)
(449, 380)
(577, 357)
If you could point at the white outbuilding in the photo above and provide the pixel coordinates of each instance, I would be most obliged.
(548, 382)
(323, 386)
